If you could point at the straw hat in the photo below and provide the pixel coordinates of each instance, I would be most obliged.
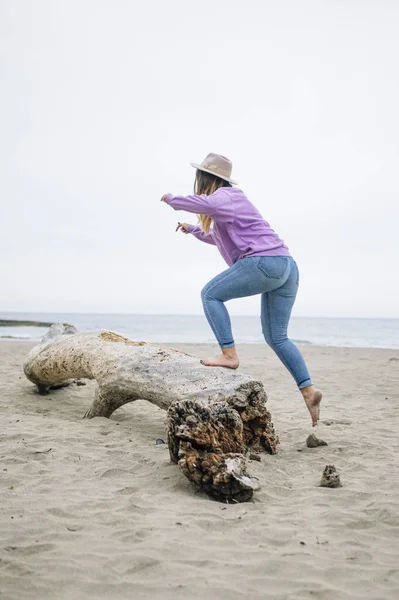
(218, 165)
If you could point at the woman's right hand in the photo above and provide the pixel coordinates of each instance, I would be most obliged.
(183, 227)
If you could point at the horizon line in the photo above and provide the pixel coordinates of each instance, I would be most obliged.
(156, 314)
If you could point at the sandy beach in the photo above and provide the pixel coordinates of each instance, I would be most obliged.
(93, 509)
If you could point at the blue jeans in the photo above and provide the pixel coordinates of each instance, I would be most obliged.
(276, 278)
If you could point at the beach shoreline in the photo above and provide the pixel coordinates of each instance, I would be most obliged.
(188, 329)
(93, 509)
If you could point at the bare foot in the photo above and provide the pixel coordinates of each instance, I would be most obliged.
(223, 360)
(312, 399)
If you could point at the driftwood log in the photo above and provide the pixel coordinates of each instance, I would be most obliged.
(215, 415)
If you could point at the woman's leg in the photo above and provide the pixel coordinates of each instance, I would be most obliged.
(242, 279)
(276, 312)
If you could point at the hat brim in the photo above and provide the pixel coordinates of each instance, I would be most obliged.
(201, 168)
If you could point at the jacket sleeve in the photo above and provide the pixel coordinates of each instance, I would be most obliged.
(201, 235)
(218, 206)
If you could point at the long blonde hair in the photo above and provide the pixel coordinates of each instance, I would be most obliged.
(205, 183)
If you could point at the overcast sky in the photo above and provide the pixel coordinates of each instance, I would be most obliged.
(103, 104)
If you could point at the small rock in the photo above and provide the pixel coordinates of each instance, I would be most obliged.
(253, 456)
(313, 442)
(330, 477)
(80, 382)
(159, 442)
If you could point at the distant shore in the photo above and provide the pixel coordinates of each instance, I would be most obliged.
(16, 323)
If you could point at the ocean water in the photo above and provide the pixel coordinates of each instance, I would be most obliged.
(361, 333)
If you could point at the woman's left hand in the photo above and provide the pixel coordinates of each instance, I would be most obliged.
(163, 199)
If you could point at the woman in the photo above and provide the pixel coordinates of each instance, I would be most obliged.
(259, 263)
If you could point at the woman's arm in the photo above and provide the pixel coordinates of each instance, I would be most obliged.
(201, 235)
(218, 205)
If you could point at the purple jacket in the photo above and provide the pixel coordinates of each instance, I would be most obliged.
(238, 228)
